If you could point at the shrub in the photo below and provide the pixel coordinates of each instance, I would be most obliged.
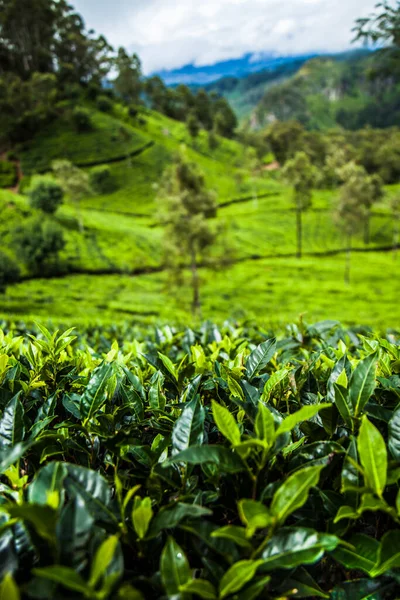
(133, 112)
(102, 180)
(104, 104)
(45, 194)
(38, 242)
(8, 174)
(93, 90)
(82, 120)
(9, 271)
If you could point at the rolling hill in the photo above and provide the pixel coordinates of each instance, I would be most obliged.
(114, 270)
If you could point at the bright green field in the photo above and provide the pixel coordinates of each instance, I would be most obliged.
(273, 291)
(122, 239)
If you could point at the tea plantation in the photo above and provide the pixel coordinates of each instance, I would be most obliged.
(114, 270)
(209, 463)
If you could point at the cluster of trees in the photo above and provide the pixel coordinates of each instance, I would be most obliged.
(38, 240)
(377, 150)
(358, 194)
(47, 56)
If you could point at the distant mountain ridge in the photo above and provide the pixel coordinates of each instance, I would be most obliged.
(191, 74)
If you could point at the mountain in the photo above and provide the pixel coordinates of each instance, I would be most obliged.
(238, 67)
(350, 90)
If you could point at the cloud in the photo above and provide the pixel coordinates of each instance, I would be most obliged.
(170, 33)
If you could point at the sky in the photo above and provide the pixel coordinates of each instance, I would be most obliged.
(168, 34)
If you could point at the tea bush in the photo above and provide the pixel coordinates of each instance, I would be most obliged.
(218, 463)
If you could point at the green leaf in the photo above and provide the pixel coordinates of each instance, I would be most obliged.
(102, 560)
(42, 518)
(234, 533)
(373, 456)
(63, 576)
(343, 403)
(273, 381)
(304, 414)
(94, 491)
(293, 493)
(226, 423)
(74, 530)
(303, 584)
(197, 455)
(237, 576)
(12, 429)
(47, 481)
(9, 589)
(189, 427)
(388, 554)
(362, 556)
(200, 587)
(9, 456)
(265, 425)
(254, 590)
(174, 566)
(235, 389)
(294, 546)
(254, 515)
(95, 393)
(170, 517)
(168, 364)
(362, 383)
(260, 357)
(141, 515)
(394, 435)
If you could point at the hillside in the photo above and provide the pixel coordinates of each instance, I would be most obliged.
(114, 270)
(351, 91)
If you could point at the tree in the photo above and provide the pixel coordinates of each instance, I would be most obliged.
(187, 207)
(285, 139)
(373, 193)
(193, 125)
(75, 184)
(302, 176)
(38, 242)
(383, 28)
(45, 194)
(102, 180)
(9, 271)
(395, 208)
(225, 120)
(128, 81)
(351, 211)
(203, 109)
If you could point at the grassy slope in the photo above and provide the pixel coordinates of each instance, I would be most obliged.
(118, 239)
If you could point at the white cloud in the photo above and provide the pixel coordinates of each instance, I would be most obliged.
(171, 33)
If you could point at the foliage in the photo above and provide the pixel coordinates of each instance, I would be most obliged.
(8, 174)
(81, 119)
(75, 183)
(104, 103)
(187, 208)
(45, 194)
(38, 242)
(9, 271)
(302, 176)
(213, 463)
(128, 81)
(193, 124)
(102, 180)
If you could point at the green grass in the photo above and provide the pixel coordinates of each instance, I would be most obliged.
(272, 291)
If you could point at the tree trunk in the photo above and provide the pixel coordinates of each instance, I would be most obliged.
(348, 261)
(396, 235)
(79, 215)
(299, 230)
(367, 235)
(195, 286)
